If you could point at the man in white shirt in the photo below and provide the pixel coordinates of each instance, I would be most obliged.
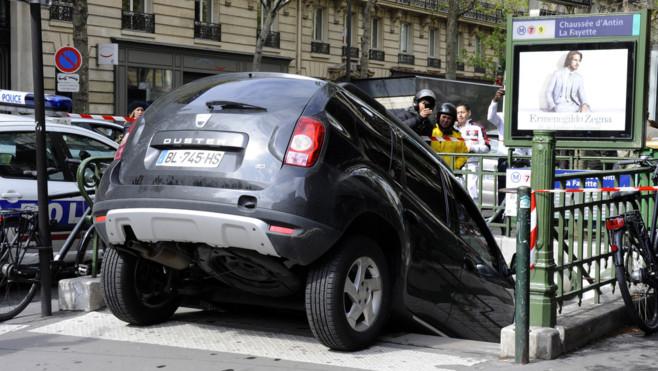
(475, 137)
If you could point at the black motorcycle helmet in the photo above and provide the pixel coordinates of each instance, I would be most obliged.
(425, 94)
(448, 109)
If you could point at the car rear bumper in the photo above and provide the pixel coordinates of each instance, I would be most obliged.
(213, 229)
(215, 225)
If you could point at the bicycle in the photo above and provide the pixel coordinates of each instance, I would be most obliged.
(19, 244)
(634, 248)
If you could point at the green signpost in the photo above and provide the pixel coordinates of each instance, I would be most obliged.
(578, 82)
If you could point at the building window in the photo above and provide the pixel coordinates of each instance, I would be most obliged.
(478, 47)
(354, 34)
(319, 24)
(203, 11)
(273, 39)
(148, 84)
(62, 10)
(136, 16)
(434, 43)
(137, 6)
(375, 34)
(406, 38)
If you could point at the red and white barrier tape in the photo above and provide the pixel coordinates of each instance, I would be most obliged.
(533, 208)
(101, 117)
(447, 138)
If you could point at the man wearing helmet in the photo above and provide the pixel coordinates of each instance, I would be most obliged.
(419, 116)
(447, 139)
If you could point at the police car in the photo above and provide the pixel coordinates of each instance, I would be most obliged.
(67, 145)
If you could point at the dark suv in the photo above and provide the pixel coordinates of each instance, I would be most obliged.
(286, 190)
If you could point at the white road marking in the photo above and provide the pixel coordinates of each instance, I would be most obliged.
(200, 336)
(9, 328)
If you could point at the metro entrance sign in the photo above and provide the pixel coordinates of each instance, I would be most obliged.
(580, 77)
(68, 59)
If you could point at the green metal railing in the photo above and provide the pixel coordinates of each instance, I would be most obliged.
(582, 250)
(573, 259)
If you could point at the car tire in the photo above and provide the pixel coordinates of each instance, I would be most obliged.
(348, 295)
(136, 290)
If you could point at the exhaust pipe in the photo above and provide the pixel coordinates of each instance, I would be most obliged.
(162, 253)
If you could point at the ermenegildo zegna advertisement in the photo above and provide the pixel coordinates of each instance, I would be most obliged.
(574, 87)
(579, 77)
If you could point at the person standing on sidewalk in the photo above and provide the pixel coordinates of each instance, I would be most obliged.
(475, 137)
(419, 116)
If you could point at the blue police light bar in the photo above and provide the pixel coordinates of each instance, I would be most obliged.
(19, 99)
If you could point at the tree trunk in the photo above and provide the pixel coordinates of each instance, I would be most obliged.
(368, 9)
(269, 10)
(81, 42)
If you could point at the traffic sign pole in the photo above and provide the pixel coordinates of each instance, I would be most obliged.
(45, 248)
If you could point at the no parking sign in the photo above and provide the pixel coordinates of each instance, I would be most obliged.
(68, 59)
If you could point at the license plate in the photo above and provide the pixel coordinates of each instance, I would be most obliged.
(189, 158)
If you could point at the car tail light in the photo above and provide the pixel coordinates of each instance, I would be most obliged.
(306, 143)
(613, 224)
(122, 146)
(281, 230)
(100, 218)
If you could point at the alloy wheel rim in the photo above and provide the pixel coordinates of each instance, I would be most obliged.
(362, 294)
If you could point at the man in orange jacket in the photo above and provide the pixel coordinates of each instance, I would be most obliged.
(447, 139)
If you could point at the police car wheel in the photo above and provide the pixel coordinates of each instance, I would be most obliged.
(348, 295)
(136, 290)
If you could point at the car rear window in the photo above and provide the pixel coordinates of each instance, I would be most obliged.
(271, 93)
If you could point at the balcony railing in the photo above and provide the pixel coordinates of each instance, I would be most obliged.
(319, 47)
(61, 11)
(480, 70)
(354, 52)
(406, 58)
(434, 62)
(425, 4)
(207, 31)
(460, 66)
(138, 21)
(273, 39)
(376, 55)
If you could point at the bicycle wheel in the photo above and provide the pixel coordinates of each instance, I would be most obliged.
(18, 270)
(637, 289)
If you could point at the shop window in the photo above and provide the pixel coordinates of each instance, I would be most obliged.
(148, 84)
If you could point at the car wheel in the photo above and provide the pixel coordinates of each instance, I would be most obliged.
(136, 290)
(348, 295)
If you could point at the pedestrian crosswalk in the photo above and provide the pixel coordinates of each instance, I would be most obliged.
(202, 335)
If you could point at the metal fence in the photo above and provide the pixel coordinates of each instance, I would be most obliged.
(581, 251)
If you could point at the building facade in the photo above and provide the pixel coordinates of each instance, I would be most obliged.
(163, 44)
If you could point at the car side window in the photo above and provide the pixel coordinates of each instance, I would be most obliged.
(81, 147)
(471, 233)
(18, 157)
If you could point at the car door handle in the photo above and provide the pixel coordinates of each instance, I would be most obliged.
(11, 194)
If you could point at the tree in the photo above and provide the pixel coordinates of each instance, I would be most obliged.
(268, 10)
(493, 40)
(456, 9)
(81, 42)
(368, 11)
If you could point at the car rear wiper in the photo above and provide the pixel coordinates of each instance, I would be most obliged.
(225, 105)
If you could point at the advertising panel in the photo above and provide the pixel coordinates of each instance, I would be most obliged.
(577, 90)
